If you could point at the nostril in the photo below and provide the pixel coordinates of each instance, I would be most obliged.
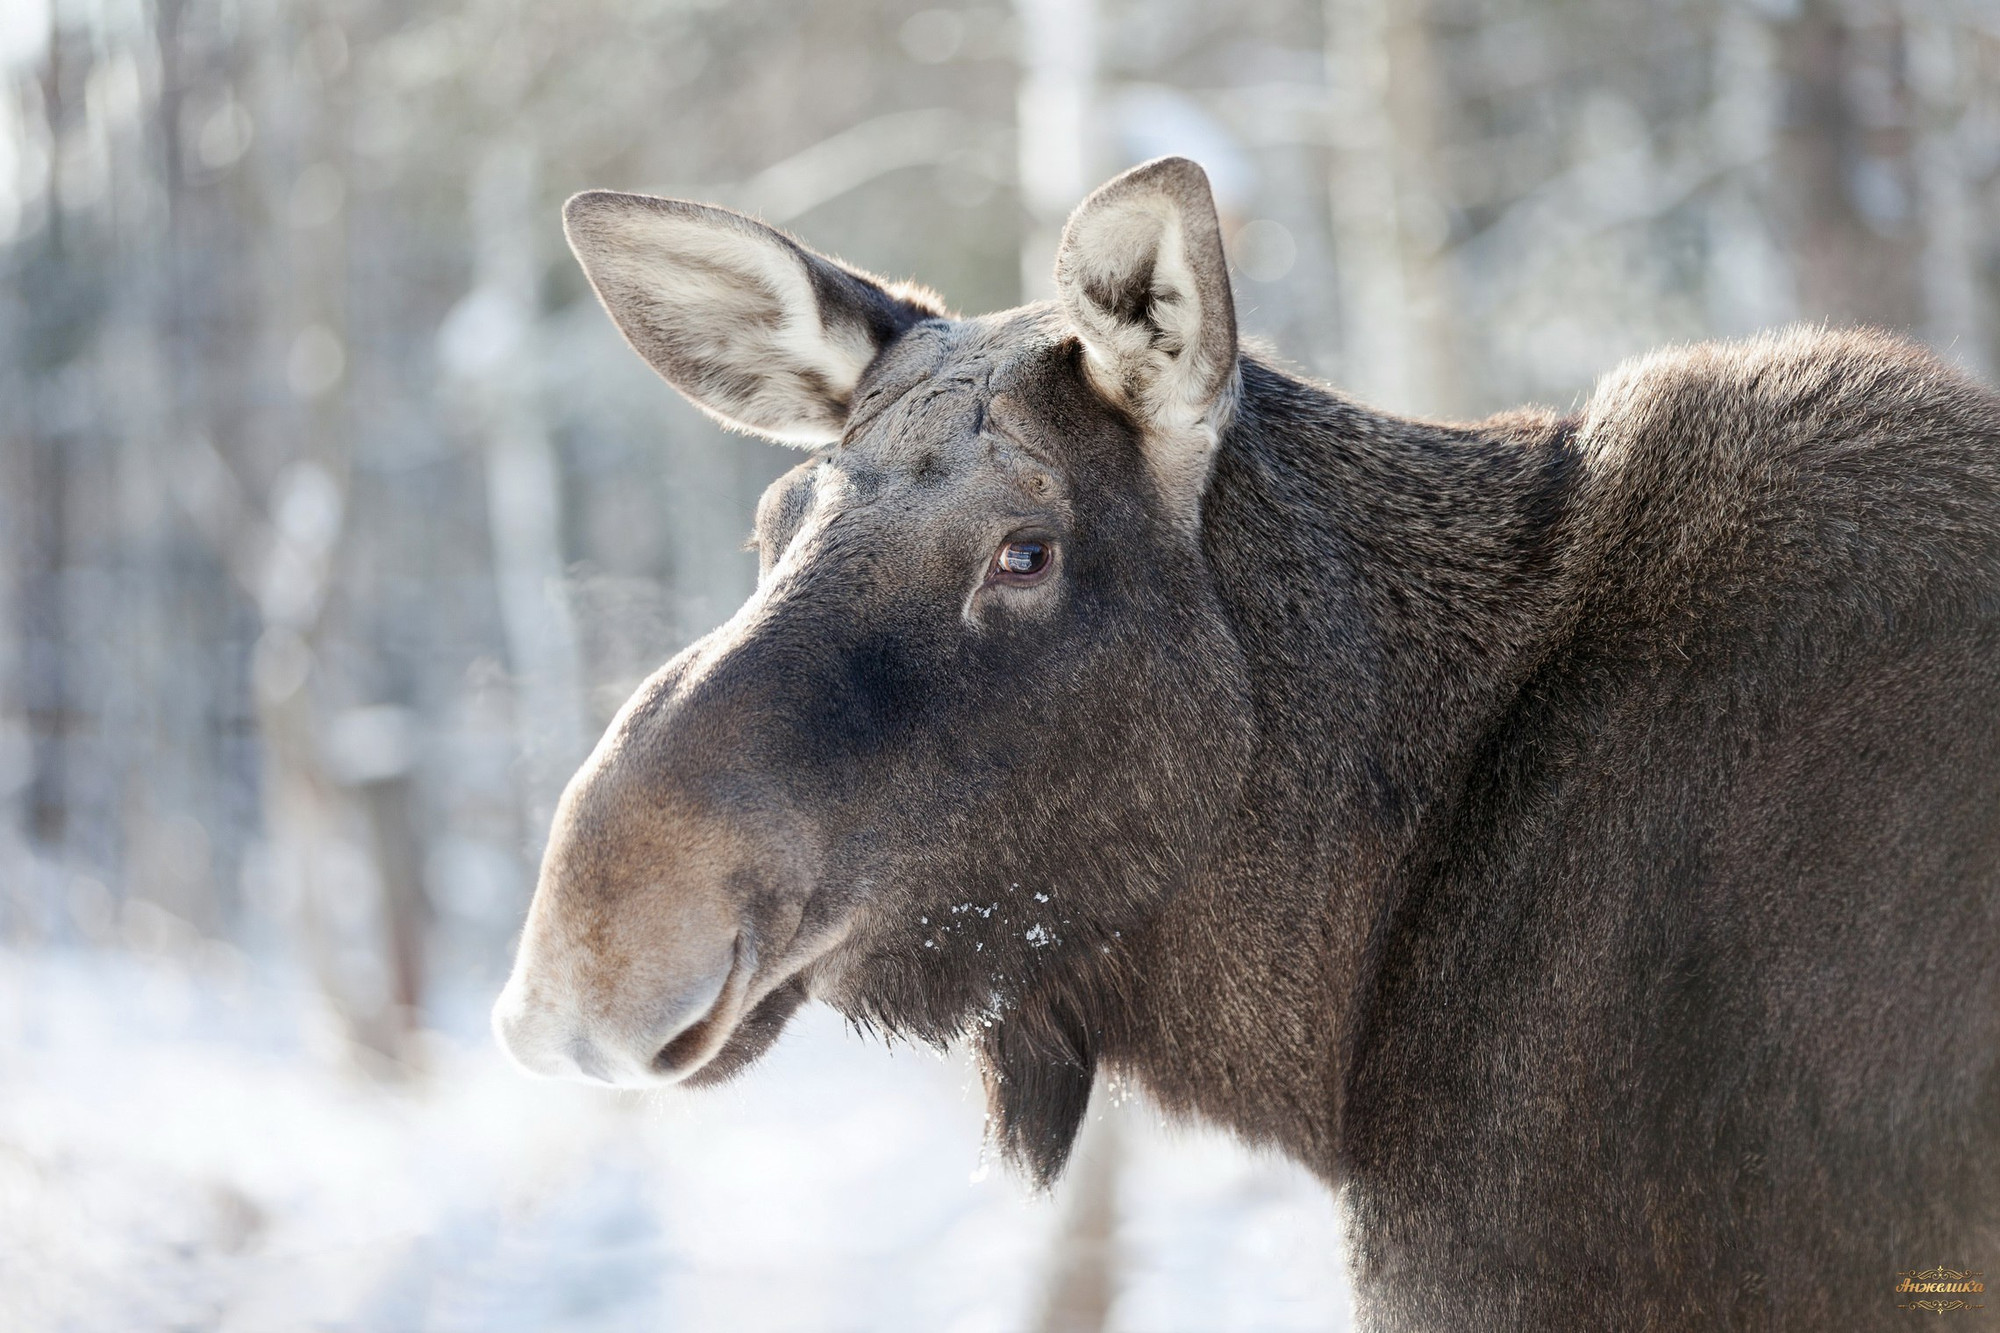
(683, 1050)
(695, 1043)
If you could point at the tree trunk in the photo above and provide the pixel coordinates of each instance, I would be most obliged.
(1957, 314)
(489, 342)
(1053, 118)
(1082, 1282)
(1388, 226)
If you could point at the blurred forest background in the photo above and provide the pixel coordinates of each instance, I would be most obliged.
(335, 520)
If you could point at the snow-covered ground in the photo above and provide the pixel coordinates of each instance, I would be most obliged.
(182, 1147)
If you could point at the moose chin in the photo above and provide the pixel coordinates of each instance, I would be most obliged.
(1576, 838)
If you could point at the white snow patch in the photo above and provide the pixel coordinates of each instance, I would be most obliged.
(176, 1151)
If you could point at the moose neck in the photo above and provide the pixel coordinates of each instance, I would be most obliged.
(1391, 584)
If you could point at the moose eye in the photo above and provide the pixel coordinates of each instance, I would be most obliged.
(1021, 560)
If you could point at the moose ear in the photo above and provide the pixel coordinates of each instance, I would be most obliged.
(1144, 283)
(754, 328)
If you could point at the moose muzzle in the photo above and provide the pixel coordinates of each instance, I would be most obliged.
(664, 942)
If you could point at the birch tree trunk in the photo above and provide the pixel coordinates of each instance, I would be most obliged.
(1749, 281)
(1083, 1273)
(1388, 227)
(1053, 118)
(352, 920)
(488, 341)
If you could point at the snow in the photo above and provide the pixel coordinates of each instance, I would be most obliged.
(184, 1146)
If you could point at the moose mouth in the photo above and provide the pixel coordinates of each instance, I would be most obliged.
(723, 1041)
(728, 1039)
(692, 1007)
(728, 1052)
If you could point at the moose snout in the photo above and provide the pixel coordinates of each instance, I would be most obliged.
(660, 922)
(557, 1031)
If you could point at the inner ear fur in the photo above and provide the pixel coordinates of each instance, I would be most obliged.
(755, 329)
(1143, 280)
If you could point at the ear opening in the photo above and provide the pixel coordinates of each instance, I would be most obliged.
(1039, 1062)
(755, 329)
(1145, 283)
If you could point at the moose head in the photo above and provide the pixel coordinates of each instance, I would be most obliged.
(983, 715)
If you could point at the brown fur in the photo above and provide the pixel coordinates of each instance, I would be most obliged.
(1575, 838)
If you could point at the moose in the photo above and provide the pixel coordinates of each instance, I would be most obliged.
(1575, 837)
